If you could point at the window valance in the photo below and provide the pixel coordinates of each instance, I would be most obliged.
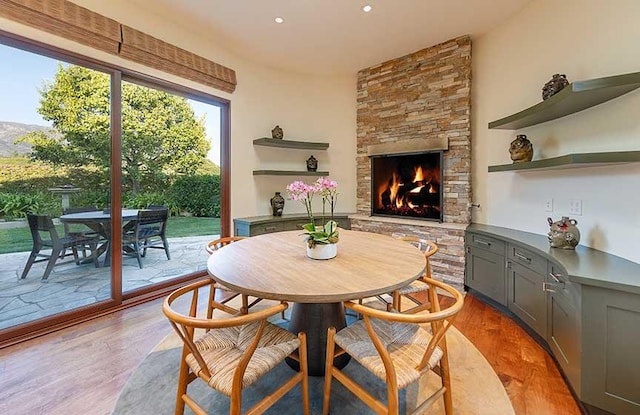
(67, 20)
(147, 50)
(70, 21)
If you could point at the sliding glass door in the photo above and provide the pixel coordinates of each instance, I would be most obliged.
(55, 166)
(111, 183)
(170, 184)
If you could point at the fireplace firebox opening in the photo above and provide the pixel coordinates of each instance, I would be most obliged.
(407, 185)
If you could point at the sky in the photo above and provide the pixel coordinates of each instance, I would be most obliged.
(22, 74)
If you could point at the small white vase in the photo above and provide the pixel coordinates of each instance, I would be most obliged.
(322, 251)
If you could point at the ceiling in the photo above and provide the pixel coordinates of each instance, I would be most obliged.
(333, 36)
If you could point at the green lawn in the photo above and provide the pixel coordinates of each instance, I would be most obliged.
(19, 239)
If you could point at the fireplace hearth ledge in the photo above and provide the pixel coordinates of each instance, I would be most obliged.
(411, 222)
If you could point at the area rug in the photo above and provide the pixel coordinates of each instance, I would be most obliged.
(476, 388)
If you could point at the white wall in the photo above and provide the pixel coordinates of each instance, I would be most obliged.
(583, 39)
(308, 108)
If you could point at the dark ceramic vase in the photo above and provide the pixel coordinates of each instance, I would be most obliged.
(277, 132)
(277, 204)
(555, 85)
(312, 164)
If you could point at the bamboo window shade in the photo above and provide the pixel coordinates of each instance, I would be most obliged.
(147, 50)
(67, 20)
(70, 21)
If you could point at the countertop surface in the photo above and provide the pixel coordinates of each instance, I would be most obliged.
(585, 265)
(286, 217)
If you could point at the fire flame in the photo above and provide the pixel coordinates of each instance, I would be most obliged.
(421, 178)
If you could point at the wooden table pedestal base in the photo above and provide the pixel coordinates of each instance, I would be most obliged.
(314, 320)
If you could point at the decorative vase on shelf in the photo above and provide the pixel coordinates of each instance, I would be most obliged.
(277, 204)
(322, 251)
(312, 164)
(277, 132)
(555, 85)
(521, 149)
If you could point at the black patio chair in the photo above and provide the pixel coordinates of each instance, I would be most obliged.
(149, 232)
(45, 236)
(74, 230)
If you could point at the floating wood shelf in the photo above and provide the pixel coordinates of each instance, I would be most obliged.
(575, 97)
(570, 161)
(302, 145)
(289, 173)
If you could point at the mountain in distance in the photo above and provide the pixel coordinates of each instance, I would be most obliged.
(10, 132)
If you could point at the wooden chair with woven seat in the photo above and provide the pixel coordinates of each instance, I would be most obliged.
(419, 285)
(233, 353)
(215, 286)
(396, 348)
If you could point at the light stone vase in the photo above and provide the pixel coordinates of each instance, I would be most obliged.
(322, 251)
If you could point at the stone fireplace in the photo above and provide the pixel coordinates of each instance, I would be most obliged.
(419, 104)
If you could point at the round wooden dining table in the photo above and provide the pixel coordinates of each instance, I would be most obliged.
(275, 266)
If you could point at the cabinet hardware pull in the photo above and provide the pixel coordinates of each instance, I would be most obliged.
(555, 278)
(270, 228)
(522, 256)
(546, 285)
(481, 242)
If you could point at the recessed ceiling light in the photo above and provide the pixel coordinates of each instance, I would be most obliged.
(367, 8)
(279, 20)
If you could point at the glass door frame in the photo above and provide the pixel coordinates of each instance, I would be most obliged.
(119, 301)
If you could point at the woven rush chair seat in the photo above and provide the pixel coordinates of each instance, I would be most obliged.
(229, 354)
(222, 350)
(398, 348)
(406, 344)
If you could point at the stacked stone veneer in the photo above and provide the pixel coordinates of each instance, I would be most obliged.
(426, 94)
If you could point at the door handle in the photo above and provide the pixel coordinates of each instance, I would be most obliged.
(519, 255)
(548, 287)
(555, 278)
(482, 242)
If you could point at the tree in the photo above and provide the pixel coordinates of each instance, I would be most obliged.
(161, 135)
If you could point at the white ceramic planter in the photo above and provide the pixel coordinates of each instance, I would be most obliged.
(322, 251)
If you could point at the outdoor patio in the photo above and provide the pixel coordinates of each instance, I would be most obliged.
(71, 286)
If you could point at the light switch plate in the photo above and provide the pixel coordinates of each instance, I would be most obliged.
(575, 207)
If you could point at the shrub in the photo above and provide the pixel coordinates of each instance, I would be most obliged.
(14, 205)
(198, 195)
(142, 200)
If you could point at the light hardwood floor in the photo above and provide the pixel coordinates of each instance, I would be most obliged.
(81, 370)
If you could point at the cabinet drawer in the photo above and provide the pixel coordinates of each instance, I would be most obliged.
(294, 225)
(559, 282)
(528, 259)
(485, 242)
(266, 228)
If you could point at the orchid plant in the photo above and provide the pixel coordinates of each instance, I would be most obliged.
(304, 193)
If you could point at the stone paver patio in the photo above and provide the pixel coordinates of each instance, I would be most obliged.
(71, 286)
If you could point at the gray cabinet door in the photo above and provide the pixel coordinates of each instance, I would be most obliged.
(526, 297)
(485, 273)
(611, 335)
(563, 336)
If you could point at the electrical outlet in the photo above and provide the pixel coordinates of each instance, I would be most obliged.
(575, 207)
(548, 205)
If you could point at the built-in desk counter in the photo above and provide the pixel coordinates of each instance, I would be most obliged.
(585, 265)
(582, 305)
(258, 225)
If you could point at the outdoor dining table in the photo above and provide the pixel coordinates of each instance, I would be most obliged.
(275, 266)
(100, 222)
